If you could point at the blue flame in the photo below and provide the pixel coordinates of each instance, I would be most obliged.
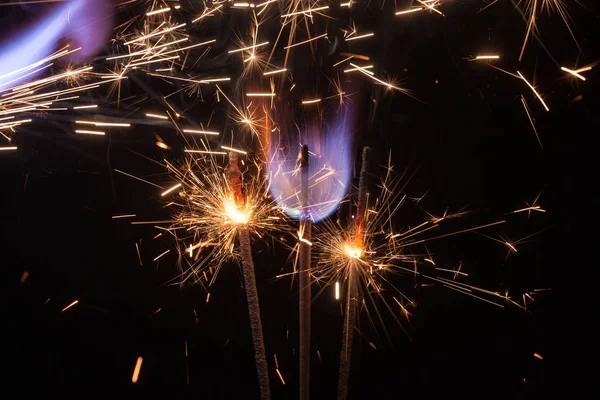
(330, 163)
(85, 23)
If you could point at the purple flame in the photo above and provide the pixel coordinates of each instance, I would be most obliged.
(330, 161)
(84, 23)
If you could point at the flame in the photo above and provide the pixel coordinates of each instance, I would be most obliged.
(85, 23)
(235, 213)
(329, 171)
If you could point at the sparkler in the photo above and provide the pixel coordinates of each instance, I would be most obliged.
(355, 251)
(304, 281)
(249, 279)
(213, 214)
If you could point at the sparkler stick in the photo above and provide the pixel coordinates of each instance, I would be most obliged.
(235, 181)
(304, 280)
(352, 292)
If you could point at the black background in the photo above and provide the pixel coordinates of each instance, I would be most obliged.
(470, 145)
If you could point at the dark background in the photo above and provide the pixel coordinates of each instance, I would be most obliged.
(470, 145)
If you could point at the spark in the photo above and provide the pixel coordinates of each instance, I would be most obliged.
(157, 116)
(531, 121)
(539, 357)
(490, 57)
(159, 11)
(280, 376)
(304, 11)
(306, 41)
(311, 101)
(260, 94)
(359, 37)
(163, 194)
(534, 91)
(277, 71)
(70, 305)
(84, 107)
(232, 149)
(412, 10)
(136, 371)
(574, 73)
(156, 33)
(160, 255)
(205, 152)
(201, 132)
(123, 216)
(337, 290)
(8, 148)
(248, 48)
(86, 132)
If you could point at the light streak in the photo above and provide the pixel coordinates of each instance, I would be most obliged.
(201, 132)
(159, 11)
(491, 57)
(280, 376)
(311, 101)
(412, 10)
(305, 11)
(277, 71)
(123, 216)
(260, 94)
(136, 371)
(573, 73)
(248, 48)
(86, 132)
(84, 107)
(359, 37)
(534, 91)
(111, 124)
(232, 149)
(337, 290)
(205, 152)
(8, 148)
(70, 305)
(157, 116)
(160, 255)
(306, 41)
(166, 192)
(156, 33)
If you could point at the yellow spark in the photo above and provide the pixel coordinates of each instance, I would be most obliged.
(277, 71)
(248, 48)
(163, 194)
(201, 132)
(311, 101)
(513, 248)
(356, 69)
(539, 357)
(152, 61)
(84, 107)
(573, 73)
(136, 371)
(305, 11)
(207, 297)
(123, 216)
(337, 290)
(162, 10)
(205, 152)
(412, 10)
(137, 248)
(160, 255)
(207, 13)
(359, 37)
(491, 57)
(534, 91)
(260, 94)
(157, 116)
(280, 377)
(86, 132)
(352, 251)
(306, 41)
(112, 124)
(156, 33)
(8, 148)
(232, 149)
(70, 305)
